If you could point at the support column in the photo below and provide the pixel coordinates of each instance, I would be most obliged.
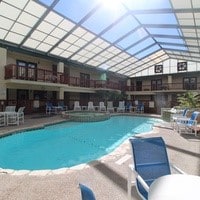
(3, 89)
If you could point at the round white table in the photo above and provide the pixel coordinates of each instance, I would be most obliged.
(175, 187)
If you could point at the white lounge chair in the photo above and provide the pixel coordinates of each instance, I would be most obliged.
(77, 107)
(188, 125)
(102, 107)
(2, 119)
(178, 115)
(121, 107)
(110, 107)
(20, 114)
(10, 108)
(91, 106)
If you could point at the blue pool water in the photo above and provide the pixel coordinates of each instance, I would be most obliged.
(68, 144)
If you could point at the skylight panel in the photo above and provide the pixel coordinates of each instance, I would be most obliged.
(143, 4)
(97, 50)
(64, 45)
(189, 34)
(27, 19)
(2, 33)
(45, 27)
(19, 4)
(90, 54)
(93, 63)
(104, 66)
(157, 18)
(192, 42)
(9, 11)
(57, 51)
(44, 47)
(148, 51)
(133, 38)
(193, 49)
(40, 9)
(51, 40)
(90, 47)
(79, 32)
(21, 29)
(145, 43)
(98, 41)
(14, 38)
(163, 31)
(31, 43)
(83, 59)
(53, 18)
(83, 52)
(112, 69)
(75, 10)
(104, 45)
(174, 47)
(5, 23)
(120, 29)
(73, 48)
(66, 54)
(80, 42)
(89, 36)
(58, 33)
(103, 18)
(76, 57)
(185, 22)
(169, 40)
(37, 35)
(181, 4)
(66, 25)
(71, 38)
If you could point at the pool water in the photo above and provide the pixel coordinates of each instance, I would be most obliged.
(68, 144)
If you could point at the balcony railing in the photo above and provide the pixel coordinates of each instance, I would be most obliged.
(165, 87)
(34, 74)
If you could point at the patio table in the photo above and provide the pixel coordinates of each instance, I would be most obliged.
(175, 187)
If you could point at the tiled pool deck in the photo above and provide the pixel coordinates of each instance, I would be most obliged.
(107, 177)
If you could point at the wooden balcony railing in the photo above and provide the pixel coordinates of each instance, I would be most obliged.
(163, 87)
(34, 74)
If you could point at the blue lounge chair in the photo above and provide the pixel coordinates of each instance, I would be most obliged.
(86, 193)
(140, 108)
(150, 162)
(49, 108)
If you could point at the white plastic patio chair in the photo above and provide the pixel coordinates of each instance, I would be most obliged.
(188, 125)
(91, 106)
(121, 107)
(77, 106)
(110, 107)
(102, 107)
(20, 114)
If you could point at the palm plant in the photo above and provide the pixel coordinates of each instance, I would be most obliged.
(189, 100)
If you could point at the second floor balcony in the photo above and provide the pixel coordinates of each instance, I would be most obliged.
(13, 71)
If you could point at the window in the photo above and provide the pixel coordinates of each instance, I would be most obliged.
(190, 83)
(156, 84)
(138, 85)
(26, 70)
(84, 80)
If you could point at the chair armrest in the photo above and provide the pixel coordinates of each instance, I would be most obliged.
(177, 169)
(139, 178)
